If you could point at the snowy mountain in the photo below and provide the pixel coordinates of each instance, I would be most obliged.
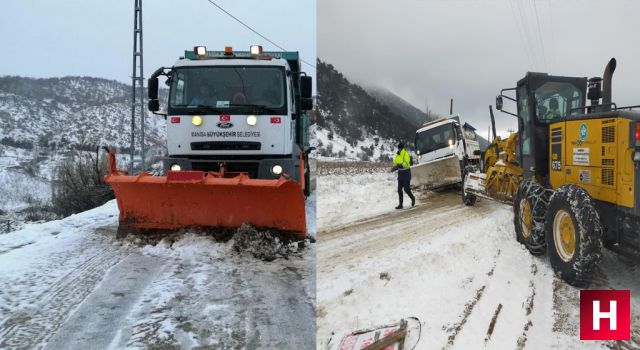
(400, 106)
(69, 112)
(352, 123)
(43, 121)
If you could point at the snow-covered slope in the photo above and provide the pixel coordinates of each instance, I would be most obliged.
(357, 119)
(56, 112)
(332, 146)
(43, 120)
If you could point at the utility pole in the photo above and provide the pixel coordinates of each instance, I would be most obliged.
(137, 85)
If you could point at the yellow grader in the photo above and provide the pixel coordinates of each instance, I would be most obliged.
(572, 171)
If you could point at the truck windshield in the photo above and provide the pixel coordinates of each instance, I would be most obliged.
(435, 138)
(228, 90)
(554, 100)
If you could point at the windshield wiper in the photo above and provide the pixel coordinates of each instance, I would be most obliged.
(255, 107)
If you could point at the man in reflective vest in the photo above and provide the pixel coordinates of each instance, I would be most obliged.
(402, 163)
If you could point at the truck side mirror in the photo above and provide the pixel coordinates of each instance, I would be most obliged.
(154, 105)
(306, 104)
(499, 103)
(305, 86)
(152, 88)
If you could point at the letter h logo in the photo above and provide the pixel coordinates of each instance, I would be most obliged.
(605, 314)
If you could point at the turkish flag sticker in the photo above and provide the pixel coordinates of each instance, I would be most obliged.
(225, 118)
(175, 120)
(605, 315)
(276, 120)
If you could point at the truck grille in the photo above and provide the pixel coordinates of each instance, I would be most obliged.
(232, 167)
(225, 146)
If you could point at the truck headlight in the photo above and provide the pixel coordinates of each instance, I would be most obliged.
(252, 120)
(196, 120)
(450, 143)
(175, 167)
(276, 169)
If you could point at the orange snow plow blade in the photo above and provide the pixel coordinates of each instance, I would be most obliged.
(198, 199)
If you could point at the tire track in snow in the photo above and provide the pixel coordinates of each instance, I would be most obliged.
(31, 327)
(501, 293)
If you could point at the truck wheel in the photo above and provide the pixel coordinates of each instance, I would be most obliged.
(529, 209)
(467, 198)
(574, 235)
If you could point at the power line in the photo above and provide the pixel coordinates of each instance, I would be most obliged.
(544, 56)
(527, 32)
(255, 31)
(522, 38)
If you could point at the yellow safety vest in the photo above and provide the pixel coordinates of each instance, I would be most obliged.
(402, 160)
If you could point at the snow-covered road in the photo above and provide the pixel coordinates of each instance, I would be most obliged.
(458, 269)
(70, 284)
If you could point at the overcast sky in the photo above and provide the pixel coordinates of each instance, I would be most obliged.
(95, 38)
(431, 51)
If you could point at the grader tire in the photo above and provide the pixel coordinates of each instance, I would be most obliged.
(574, 235)
(529, 209)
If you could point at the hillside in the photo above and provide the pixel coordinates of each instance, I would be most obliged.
(362, 126)
(400, 106)
(44, 121)
(68, 112)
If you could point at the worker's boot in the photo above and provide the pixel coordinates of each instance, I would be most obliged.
(399, 206)
(413, 201)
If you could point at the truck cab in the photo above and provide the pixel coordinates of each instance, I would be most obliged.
(239, 112)
(445, 138)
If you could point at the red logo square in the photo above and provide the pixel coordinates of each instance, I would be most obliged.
(276, 120)
(605, 315)
(175, 120)
(225, 118)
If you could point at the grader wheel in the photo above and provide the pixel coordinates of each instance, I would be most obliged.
(574, 235)
(529, 208)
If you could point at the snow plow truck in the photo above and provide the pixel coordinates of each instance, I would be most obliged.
(572, 171)
(237, 145)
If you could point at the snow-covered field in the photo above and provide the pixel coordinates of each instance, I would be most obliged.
(458, 269)
(344, 199)
(70, 284)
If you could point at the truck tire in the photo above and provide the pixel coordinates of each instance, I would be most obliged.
(529, 209)
(467, 198)
(574, 235)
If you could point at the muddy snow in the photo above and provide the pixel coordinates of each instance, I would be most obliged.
(458, 269)
(70, 284)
